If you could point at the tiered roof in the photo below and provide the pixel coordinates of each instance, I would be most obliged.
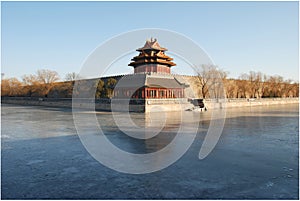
(152, 53)
(151, 80)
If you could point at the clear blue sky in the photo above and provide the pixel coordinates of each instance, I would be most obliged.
(239, 36)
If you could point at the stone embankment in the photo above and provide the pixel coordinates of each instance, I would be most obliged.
(51, 102)
(251, 102)
(99, 104)
(140, 107)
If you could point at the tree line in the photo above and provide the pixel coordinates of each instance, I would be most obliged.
(215, 83)
(211, 82)
(45, 84)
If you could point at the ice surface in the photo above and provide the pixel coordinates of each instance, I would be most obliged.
(256, 157)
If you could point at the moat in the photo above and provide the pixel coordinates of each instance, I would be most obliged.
(255, 158)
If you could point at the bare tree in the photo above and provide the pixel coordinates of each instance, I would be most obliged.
(46, 76)
(253, 85)
(30, 80)
(211, 79)
(263, 85)
(71, 76)
(274, 83)
(287, 88)
(11, 87)
(243, 86)
(42, 82)
(43, 76)
(230, 88)
(255, 80)
(295, 90)
(31, 85)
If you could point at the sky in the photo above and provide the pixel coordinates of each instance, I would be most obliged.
(238, 36)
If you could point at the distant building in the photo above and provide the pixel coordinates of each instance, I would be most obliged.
(152, 82)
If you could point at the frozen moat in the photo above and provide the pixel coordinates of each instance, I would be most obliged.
(256, 157)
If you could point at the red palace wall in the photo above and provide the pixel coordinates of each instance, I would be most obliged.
(143, 93)
(152, 68)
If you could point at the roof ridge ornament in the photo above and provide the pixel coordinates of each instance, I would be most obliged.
(153, 40)
(152, 44)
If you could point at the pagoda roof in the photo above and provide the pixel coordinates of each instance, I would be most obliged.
(155, 55)
(150, 61)
(152, 45)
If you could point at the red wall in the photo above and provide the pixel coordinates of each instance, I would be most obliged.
(152, 68)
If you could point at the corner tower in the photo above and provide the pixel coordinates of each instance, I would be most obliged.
(152, 58)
